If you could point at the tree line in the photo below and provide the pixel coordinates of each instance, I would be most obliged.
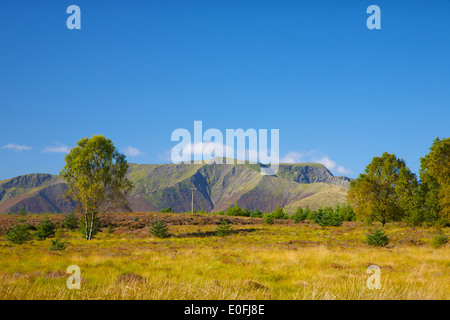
(389, 191)
(327, 216)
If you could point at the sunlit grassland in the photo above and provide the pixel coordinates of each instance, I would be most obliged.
(300, 261)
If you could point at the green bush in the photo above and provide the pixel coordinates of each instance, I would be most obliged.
(346, 212)
(279, 213)
(234, 211)
(70, 221)
(327, 217)
(167, 210)
(299, 215)
(377, 239)
(46, 229)
(309, 213)
(58, 245)
(19, 234)
(256, 213)
(268, 219)
(439, 240)
(159, 229)
(223, 229)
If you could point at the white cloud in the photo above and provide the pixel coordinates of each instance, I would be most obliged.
(327, 162)
(342, 170)
(292, 157)
(132, 152)
(59, 148)
(315, 156)
(16, 147)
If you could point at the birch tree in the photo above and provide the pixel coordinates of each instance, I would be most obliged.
(96, 176)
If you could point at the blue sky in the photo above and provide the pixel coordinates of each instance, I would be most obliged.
(338, 92)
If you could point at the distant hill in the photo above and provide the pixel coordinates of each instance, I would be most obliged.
(219, 186)
(38, 192)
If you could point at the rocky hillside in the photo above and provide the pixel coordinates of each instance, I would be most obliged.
(218, 187)
(37, 192)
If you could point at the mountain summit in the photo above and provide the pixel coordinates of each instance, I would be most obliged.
(218, 186)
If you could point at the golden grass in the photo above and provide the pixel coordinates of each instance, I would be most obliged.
(301, 261)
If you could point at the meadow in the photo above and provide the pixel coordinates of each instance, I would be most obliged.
(256, 261)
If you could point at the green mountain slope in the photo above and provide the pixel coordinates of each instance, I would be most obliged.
(38, 192)
(218, 186)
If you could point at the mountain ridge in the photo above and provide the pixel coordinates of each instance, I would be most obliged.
(218, 186)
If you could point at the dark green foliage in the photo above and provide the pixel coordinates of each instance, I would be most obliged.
(135, 219)
(46, 229)
(58, 245)
(96, 225)
(428, 207)
(256, 213)
(299, 215)
(202, 211)
(279, 213)
(234, 211)
(220, 213)
(159, 229)
(346, 212)
(268, 219)
(19, 234)
(309, 213)
(439, 240)
(223, 229)
(167, 210)
(317, 215)
(435, 181)
(421, 215)
(327, 217)
(70, 221)
(377, 239)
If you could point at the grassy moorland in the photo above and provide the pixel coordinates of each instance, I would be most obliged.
(257, 261)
